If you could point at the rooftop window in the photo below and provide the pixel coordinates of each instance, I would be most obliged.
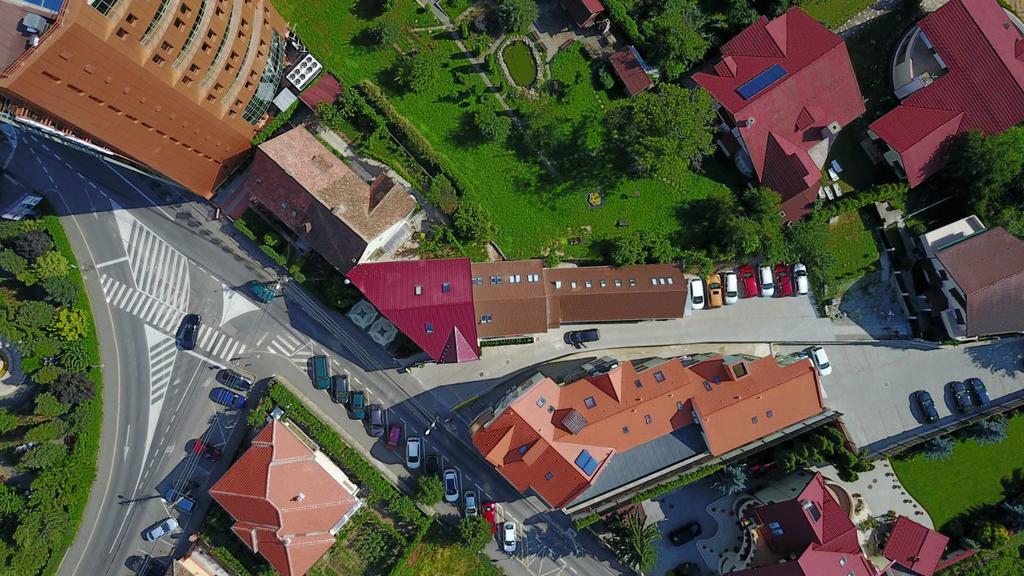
(478, 280)
(659, 376)
(419, 290)
(428, 328)
(769, 413)
(586, 463)
(604, 283)
(514, 279)
(625, 429)
(618, 283)
(551, 409)
(572, 284)
(753, 420)
(632, 281)
(647, 418)
(588, 284)
(549, 476)
(495, 279)
(541, 401)
(589, 402)
(486, 319)
(523, 449)
(679, 406)
(533, 277)
(638, 383)
(446, 287)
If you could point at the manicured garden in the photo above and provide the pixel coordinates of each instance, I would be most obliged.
(519, 62)
(970, 478)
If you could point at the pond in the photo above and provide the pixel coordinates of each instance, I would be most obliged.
(520, 63)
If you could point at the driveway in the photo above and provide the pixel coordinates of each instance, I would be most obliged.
(681, 506)
(872, 384)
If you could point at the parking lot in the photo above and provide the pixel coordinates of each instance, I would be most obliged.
(872, 385)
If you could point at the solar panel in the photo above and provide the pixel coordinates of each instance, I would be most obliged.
(586, 463)
(758, 83)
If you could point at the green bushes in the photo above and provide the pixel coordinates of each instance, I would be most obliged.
(671, 485)
(619, 14)
(275, 123)
(507, 341)
(242, 227)
(894, 193)
(587, 520)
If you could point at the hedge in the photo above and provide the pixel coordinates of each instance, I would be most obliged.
(275, 123)
(241, 226)
(619, 14)
(281, 260)
(683, 480)
(506, 341)
(894, 193)
(587, 520)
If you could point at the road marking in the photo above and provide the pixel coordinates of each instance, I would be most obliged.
(127, 435)
(114, 261)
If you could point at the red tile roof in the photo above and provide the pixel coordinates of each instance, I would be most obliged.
(913, 546)
(440, 319)
(583, 12)
(982, 90)
(287, 500)
(627, 66)
(651, 401)
(818, 88)
(326, 89)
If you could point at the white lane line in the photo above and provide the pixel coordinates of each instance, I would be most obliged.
(114, 261)
(127, 435)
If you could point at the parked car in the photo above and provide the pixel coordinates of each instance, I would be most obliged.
(697, 294)
(433, 465)
(978, 391)
(714, 291)
(732, 287)
(469, 503)
(413, 446)
(339, 388)
(961, 397)
(161, 528)
(577, 338)
(357, 404)
(394, 437)
(748, 280)
(800, 278)
(764, 276)
(783, 280)
(488, 511)
(820, 359)
(451, 485)
(232, 379)
(375, 420)
(508, 537)
(206, 450)
(320, 371)
(927, 406)
(226, 397)
(179, 500)
(684, 533)
(260, 291)
(188, 331)
(146, 566)
(759, 470)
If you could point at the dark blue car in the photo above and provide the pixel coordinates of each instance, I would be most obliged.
(978, 391)
(226, 397)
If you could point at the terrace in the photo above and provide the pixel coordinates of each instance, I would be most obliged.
(22, 27)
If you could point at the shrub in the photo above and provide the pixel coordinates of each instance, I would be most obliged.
(990, 534)
(940, 448)
(50, 430)
(989, 431)
(443, 195)
(241, 226)
(8, 421)
(274, 124)
(32, 244)
(429, 490)
(587, 520)
(269, 251)
(619, 14)
(34, 315)
(61, 290)
(474, 532)
(12, 263)
(51, 265)
(72, 388)
(43, 456)
(76, 357)
(385, 32)
(731, 480)
(48, 406)
(896, 193)
(516, 15)
(473, 222)
(492, 126)
(44, 376)
(69, 324)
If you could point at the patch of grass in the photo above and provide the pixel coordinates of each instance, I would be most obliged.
(853, 245)
(439, 553)
(455, 8)
(833, 13)
(520, 63)
(970, 477)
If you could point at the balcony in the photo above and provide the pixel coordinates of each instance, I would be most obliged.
(916, 63)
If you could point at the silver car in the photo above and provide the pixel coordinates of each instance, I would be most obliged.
(508, 537)
(162, 528)
(451, 485)
(470, 499)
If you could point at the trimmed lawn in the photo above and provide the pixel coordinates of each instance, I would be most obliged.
(833, 13)
(853, 245)
(520, 63)
(970, 477)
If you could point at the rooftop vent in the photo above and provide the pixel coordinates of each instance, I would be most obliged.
(301, 496)
(831, 130)
(304, 71)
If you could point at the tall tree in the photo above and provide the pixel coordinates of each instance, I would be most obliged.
(517, 15)
(418, 70)
(731, 480)
(676, 37)
(474, 532)
(632, 540)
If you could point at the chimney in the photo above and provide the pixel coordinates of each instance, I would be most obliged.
(748, 122)
(831, 130)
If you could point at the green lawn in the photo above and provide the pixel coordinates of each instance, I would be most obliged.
(833, 13)
(520, 63)
(854, 247)
(969, 478)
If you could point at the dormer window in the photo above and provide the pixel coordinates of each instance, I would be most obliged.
(446, 287)
(589, 402)
(419, 290)
(428, 328)
(659, 376)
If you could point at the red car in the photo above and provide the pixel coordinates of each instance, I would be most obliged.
(488, 512)
(748, 280)
(783, 280)
(207, 451)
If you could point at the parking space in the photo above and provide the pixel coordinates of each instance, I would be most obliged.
(687, 504)
(873, 385)
(757, 319)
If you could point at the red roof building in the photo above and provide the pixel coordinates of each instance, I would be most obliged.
(287, 498)
(557, 439)
(629, 67)
(583, 12)
(963, 68)
(786, 87)
(326, 89)
(430, 301)
(914, 547)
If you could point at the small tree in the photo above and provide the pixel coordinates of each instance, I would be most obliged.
(75, 357)
(605, 79)
(49, 430)
(53, 264)
(491, 125)
(45, 375)
(474, 532)
(69, 324)
(989, 431)
(473, 222)
(34, 315)
(990, 534)
(12, 263)
(10, 501)
(72, 388)
(443, 194)
(517, 15)
(939, 448)
(8, 421)
(43, 456)
(386, 32)
(48, 406)
(32, 244)
(731, 480)
(632, 540)
(61, 290)
(417, 70)
(629, 250)
(429, 490)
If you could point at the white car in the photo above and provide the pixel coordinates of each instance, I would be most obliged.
(451, 485)
(821, 361)
(412, 452)
(697, 293)
(764, 274)
(163, 528)
(800, 276)
(470, 499)
(732, 288)
(508, 537)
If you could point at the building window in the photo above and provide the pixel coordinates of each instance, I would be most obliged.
(158, 60)
(131, 18)
(478, 280)
(625, 429)
(776, 528)
(104, 6)
(551, 409)
(446, 287)
(496, 280)
(533, 277)
(514, 278)
(166, 46)
(428, 328)
(618, 283)
(486, 319)
(654, 281)
(122, 33)
(541, 402)
(769, 413)
(589, 402)
(638, 383)
(147, 35)
(604, 283)
(573, 285)
(659, 376)
(419, 290)
(523, 449)
(669, 280)
(632, 282)
(647, 418)
(191, 34)
(679, 406)
(267, 89)
(753, 420)
(588, 284)
(549, 476)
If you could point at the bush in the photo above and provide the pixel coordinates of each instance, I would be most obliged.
(894, 193)
(491, 125)
(8, 421)
(241, 226)
(76, 357)
(385, 32)
(34, 315)
(990, 534)
(43, 456)
(619, 14)
(671, 485)
(605, 78)
(587, 520)
(72, 388)
(429, 490)
(989, 431)
(731, 480)
(443, 194)
(70, 324)
(51, 265)
(61, 290)
(473, 223)
(48, 406)
(12, 263)
(274, 124)
(474, 532)
(32, 244)
(269, 251)
(516, 16)
(940, 448)
(50, 430)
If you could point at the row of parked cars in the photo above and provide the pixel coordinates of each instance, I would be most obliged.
(967, 396)
(729, 286)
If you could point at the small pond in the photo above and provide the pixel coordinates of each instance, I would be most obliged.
(519, 62)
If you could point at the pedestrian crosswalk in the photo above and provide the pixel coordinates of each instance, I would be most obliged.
(285, 344)
(158, 269)
(219, 344)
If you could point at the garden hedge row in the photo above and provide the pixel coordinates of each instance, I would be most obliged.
(683, 480)
(619, 14)
(275, 123)
(894, 193)
(587, 520)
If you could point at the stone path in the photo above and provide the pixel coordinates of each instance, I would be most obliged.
(881, 7)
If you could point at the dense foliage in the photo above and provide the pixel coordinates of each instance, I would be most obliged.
(632, 540)
(988, 175)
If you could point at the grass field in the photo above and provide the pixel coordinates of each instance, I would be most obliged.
(854, 247)
(834, 13)
(969, 478)
(520, 63)
(439, 555)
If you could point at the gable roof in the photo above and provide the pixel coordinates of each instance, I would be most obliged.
(989, 268)
(915, 547)
(515, 304)
(817, 86)
(984, 83)
(440, 319)
(326, 89)
(582, 11)
(607, 294)
(629, 68)
(287, 500)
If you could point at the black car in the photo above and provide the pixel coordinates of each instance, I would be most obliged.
(188, 331)
(233, 379)
(978, 391)
(961, 397)
(339, 388)
(684, 533)
(927, 405)
(579, 337)
(146, 565)
(433, 465)
(375, 420)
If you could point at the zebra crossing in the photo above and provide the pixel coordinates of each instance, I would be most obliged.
(159, 270)
(218, 344)
(285, 344)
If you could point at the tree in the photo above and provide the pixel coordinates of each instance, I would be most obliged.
(987, 171)
(10, 501)
(473, 222)
(990, 534)
(69, 324)
(49, 430)
(474, 532)
(386, 32)
(664, 130)
(629, 250)
(34, 315)
(75, 357)
(48, 406)
(8, 421)
(53, 264)
(680, 41)
(989, 431)
(544, 126)
(632, 540)
(1013, 511)
(12, 263)
(605, 78)
(43, 456)
(442, 194)
(939, 448)
(32, 244)
(46, 375)
(493, 126)
(429, 490)
(515, 16)
(61, 290)
(739, 14)
(731, 480)
(72, 388)
(416, 71)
